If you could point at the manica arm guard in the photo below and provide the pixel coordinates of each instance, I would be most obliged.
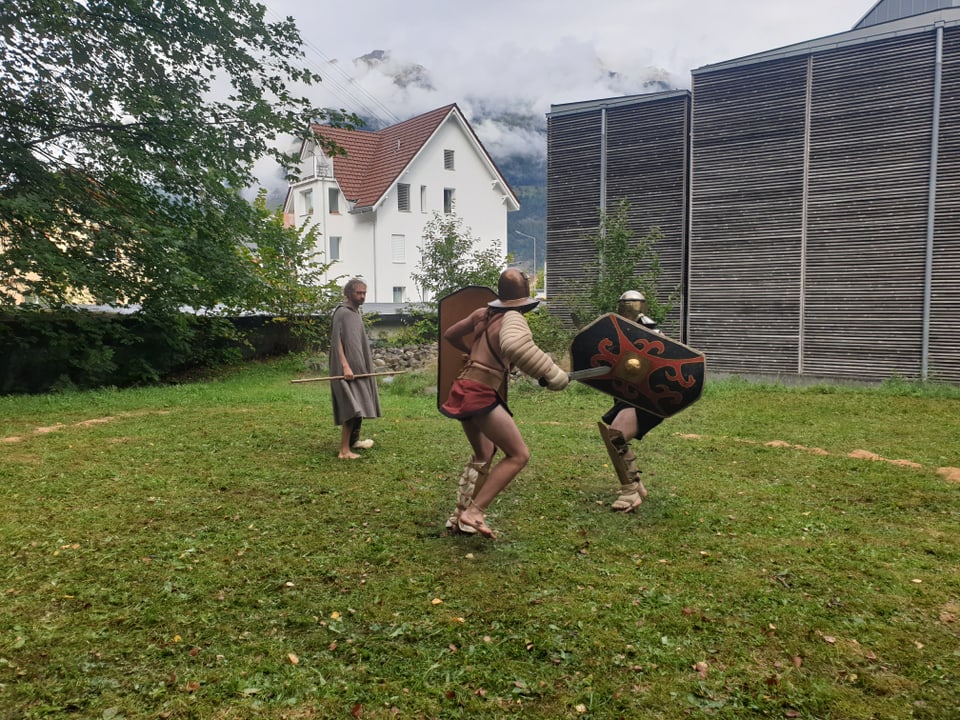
(516, 342)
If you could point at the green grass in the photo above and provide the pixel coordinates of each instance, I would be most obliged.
(198, 551)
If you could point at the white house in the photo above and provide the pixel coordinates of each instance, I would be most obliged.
(372, 204)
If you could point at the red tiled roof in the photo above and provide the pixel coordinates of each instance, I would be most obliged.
(375, 160)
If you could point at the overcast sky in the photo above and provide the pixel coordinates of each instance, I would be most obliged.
(494, 56)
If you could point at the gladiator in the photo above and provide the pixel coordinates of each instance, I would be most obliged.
(500, 340)
(624, 422)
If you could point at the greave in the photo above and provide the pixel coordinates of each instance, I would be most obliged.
(470, 482)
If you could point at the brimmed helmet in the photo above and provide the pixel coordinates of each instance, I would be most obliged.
(632, 304)
(513, 292)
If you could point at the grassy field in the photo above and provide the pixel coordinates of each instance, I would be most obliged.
(197, 551)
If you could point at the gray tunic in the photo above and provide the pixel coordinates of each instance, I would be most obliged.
(354, 398)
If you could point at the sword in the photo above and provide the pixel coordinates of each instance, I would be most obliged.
(341, 377)
(583, 374)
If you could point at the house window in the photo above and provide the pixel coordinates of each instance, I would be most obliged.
(449, 200)
(334, 200)
(448, 160)
(334, 247)
(399, 294)
(307, 197)
(398, 247)
(423, 198)
(403, 197)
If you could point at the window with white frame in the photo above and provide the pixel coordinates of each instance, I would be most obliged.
(403, 197)
(335, 247)
(448, 160)
(423, 198)
(333, 200)
(398, 248)
(399, 294)
(306, 198)
(449, 200)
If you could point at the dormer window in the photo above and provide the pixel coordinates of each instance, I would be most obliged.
(448, 160)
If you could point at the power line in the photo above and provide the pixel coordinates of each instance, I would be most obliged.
(346, 87)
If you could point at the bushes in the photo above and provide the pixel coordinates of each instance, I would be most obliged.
(42, 351)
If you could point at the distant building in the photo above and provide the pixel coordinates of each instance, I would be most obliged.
(371, 205)
(813, 208)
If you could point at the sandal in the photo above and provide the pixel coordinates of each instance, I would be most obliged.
(479, 525)
(631, 497)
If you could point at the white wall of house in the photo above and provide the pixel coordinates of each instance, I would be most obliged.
(382, 245)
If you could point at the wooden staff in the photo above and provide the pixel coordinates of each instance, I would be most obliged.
(343, 377)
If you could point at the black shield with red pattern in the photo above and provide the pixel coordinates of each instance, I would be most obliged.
(647, 369)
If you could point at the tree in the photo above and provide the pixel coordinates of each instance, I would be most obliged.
(127, 130)
(624, 262)
(288, 279)
(449, 259)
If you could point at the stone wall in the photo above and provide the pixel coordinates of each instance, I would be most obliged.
(412, 357)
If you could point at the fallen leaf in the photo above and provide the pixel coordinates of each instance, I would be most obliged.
(830, 639)
(436, 601)
(701, 668)
(294, 660)
(334, 615)
(357, 710)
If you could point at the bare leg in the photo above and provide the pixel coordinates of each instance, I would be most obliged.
(626, 423)
(474, 475)
(500, 430)
(346, 431)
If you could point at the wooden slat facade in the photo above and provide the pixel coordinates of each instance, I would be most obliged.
(944, 359)
(601, 153)
(870, 142)
(746, 215)
(821, 235)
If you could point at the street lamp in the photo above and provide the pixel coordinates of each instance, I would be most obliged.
(531, 237)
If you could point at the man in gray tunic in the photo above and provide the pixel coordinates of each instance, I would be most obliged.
(354, 398)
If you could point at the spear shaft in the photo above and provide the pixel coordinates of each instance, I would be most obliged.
(343, 377)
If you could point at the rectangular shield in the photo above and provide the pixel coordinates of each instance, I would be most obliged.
(451, 309)
(654, 372)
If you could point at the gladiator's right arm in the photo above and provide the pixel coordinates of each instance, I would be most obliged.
(516, 342)
(456, 333)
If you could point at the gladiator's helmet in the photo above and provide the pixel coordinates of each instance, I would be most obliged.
(631, 305)
(513, 292)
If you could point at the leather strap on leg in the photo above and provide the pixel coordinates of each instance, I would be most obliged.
(466, 489)
(616, 448)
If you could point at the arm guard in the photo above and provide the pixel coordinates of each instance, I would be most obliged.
(516, 342)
